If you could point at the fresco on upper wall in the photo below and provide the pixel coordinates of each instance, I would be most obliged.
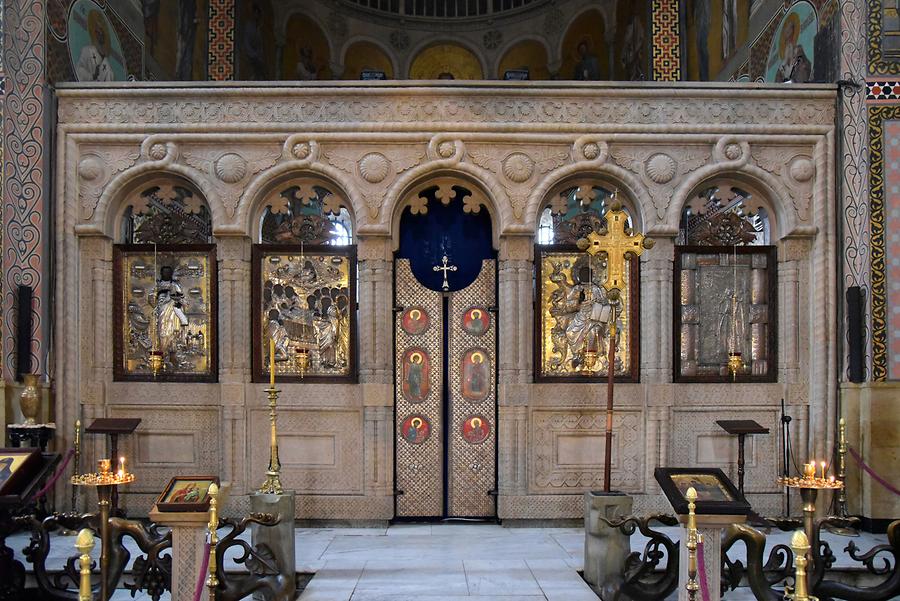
(446, 61)
(307, 54)
(527, 54)
(715, 30)
(254, 41)
(612, 44)
(87, 40)
(366, 56)
(175, 39)
(793, 46)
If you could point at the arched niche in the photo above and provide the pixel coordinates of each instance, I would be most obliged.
(164, 209)
(576, 207)
(445, 187)
(305, 209)
(584, 48)
(529, 54)
(307, 52)
(446, 60)
(725, 211)
(365, 54)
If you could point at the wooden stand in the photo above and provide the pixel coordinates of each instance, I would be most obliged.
(741, 428)
(113, 427)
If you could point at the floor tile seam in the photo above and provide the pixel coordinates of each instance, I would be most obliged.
(560, 545)
(359, 576)
(535, 578)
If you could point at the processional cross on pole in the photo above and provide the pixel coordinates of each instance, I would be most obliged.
(445, 267)
(618, 244)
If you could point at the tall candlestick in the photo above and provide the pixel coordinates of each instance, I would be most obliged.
(272, 362)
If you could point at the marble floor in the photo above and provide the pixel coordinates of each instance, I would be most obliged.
(452, 562)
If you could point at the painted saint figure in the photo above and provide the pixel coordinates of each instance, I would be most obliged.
(795, 66)
(167, 297)
(93, 62)
(414, 376)
(475, 375)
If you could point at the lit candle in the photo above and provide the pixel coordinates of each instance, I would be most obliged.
(831, 479)
(272, 362)
(823, 470)
(121, 466)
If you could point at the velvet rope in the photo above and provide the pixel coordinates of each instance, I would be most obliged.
(201, 580)
(701, 572)
(872, 472)
(69, 454)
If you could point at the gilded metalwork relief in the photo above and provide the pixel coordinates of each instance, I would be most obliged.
(304, 299)
(725, 297)
(165, 302)
(574, 317)
(306, 211)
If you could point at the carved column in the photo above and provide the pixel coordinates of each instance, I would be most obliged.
(26, 233)
(656, 312)
(233, 255)
(514, 353)
(376, 364)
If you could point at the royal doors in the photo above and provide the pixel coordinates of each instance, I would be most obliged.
(445, 385)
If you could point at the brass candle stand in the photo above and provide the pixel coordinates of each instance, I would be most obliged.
(809, 486)
(272, 485)
(693, 541)
(104, 480)
(841, 503)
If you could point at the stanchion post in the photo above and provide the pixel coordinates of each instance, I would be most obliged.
(85, 544)
(800, 547)
(211, 581)
(693, 539)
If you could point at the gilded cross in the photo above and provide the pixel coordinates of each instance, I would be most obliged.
(617, 244)
(445, 268)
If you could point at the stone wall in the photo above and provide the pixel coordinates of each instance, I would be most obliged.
(780, 141)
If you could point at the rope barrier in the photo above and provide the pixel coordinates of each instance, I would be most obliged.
(872, 472)
(69, 454)
(701, 572)
(201, 580)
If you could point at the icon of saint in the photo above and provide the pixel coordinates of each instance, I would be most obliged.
(414, 375)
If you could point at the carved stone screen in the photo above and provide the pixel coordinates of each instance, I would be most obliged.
(304, 298)
(572, 320)
(165, 299)
(705, 277)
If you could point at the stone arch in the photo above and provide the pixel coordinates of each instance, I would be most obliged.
(633, 194)
(257, 200)
(408, 190)
(251, 205)
(768, 192)
(461, 42)
(523, 39)
(313, 20)
(361, 39)
(114, 199)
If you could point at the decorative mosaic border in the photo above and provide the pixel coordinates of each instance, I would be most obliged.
(220, 43)
(877, 64)
(666, 40)
(882, 89)
(877, 116)
(24, 211)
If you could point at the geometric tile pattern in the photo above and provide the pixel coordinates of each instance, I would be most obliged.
(220, 49)
(666, 41)
(884, 156)
(880, 89)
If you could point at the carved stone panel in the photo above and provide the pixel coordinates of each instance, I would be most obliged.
(567, 448)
